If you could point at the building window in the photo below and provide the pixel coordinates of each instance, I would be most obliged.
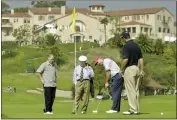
(129, 29)
(98, 8)
(163, 18)
(138, 17)
(26, 20)
(41, 18)
(145, 29)
(159, 29)
(164, 30)
(141, 29)
(134, 17)
(134, 30)
(147, 17)
(93, 8)
(15, 20)
(51, 17)
(90, 37)
(127, 17)
(169, 19)
(168, 31)
(142, 16)
(158, 17)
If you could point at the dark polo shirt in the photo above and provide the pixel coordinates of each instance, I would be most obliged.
(132, 52)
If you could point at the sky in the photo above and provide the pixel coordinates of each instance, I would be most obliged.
(109, 4)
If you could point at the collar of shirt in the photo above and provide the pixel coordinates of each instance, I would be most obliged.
(49, 63)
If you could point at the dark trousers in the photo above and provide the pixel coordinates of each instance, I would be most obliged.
(49, 96)
(116, 90)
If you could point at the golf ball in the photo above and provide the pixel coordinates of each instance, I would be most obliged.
(161, 113)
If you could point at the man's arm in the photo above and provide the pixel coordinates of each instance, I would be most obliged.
(108, 76)
(41, 78)
(40, 71)
(141, 66)
(124, 63)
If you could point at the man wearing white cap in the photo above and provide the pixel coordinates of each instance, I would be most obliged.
(81, 78)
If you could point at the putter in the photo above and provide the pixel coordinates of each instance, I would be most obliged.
(96, 110)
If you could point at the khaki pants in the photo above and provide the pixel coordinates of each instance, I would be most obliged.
(131, 79)
(82, 86)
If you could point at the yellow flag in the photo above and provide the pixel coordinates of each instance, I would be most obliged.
(73, 19)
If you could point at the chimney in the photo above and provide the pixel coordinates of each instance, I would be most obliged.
(49, 9)
(12, 11)
(63, 10)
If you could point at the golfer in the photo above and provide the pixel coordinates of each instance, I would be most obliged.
(113, 73)
(81, 77)
(132, 60)
(48, 75)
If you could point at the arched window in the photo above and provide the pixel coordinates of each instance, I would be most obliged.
(80, 24)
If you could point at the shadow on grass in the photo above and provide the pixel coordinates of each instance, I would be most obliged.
(4, 116)
(144, 113)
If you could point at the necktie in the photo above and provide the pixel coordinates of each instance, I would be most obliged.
(81, 75)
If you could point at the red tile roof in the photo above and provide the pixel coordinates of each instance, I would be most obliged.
(133, 23)
(97, 5)
(134, 11)
(44, 11)
(16, 15)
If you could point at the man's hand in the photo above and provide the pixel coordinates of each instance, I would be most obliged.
(42, 81)
(142, 74)
(106, 85)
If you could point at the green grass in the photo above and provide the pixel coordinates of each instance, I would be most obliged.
(27, 105)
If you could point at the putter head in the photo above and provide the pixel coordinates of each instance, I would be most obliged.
(95, 111)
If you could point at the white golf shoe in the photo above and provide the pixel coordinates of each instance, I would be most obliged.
(48, 113)
(111, 111)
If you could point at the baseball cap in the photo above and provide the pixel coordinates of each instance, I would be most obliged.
(82, 58)
(96, 59)
(125, 34)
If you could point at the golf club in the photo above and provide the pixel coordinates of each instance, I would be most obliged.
(96, 110)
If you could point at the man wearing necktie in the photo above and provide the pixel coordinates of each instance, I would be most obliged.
(81, 78)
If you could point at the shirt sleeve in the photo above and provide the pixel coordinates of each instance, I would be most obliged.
(41, 68)
(107, 64)
(74, 76)
(125, 53)
(91, 72)
(140, 55)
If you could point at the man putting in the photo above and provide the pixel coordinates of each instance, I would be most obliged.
(81, 78)
(132, 60)
(113, 73)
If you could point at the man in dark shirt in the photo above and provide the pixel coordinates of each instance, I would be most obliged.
(132, 67)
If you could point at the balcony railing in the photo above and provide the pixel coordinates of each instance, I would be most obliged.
(4, 24)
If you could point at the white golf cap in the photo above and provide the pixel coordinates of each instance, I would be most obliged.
(82, 58)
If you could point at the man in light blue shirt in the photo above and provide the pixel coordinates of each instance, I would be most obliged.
(81, 78)
(113, 73)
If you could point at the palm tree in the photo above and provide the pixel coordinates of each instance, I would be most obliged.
(105, 22)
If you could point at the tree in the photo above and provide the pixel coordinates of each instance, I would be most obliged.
(4, 6)
(158, 47)
(22, 34)
(105, 22)
(99, 78)
(145, 43)
(21, 9)
(116, 41)
(48, 3)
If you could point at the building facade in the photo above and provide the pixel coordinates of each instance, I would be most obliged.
(156, 22)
